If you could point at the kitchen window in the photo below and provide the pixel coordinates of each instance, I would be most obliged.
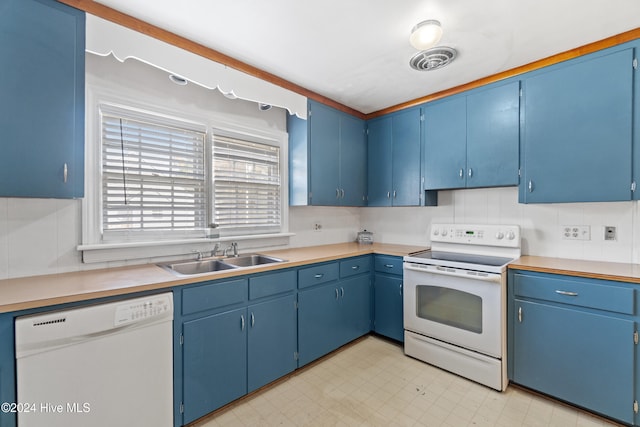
(164, 180)
(153, 178)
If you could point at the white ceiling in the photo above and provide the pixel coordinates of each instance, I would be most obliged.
(357, 52)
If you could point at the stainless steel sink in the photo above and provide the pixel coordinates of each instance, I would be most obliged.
(250, 260)
(188, 268)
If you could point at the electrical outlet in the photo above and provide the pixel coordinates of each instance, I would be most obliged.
(576, 232)
(317, 227)
(609, 232)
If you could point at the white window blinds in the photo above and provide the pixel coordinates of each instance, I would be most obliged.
(153, 178)
(246, 185)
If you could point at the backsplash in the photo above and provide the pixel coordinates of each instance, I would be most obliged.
(541, 224)
(40, 236)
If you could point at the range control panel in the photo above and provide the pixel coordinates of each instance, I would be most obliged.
(143, 308)
(474, 234)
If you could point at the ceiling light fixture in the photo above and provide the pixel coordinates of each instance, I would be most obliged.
(426, 34)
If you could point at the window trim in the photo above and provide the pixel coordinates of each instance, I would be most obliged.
(214, 122)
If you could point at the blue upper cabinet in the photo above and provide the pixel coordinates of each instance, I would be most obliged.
(324, 152)
(380, 164)
(577, 135)
(445, 144)
(353, 161)
(472, 140)
(394, 159)
(327, 158)
(493, 135)
(42, 43)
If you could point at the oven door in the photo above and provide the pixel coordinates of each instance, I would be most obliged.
(457, 306)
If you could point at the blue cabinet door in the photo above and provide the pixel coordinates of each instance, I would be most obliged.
(324, 162)
(445, 144)
(272, 340)
(405, 136)
(214, 362)
(379, 162)
(388, 306)
(355, 308)
(318, 322)
(353, 161)
(493, 136)
(577, 131)
(42, 92)
(577, 356)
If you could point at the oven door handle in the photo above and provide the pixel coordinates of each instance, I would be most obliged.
(485, 277)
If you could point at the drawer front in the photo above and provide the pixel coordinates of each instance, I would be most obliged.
(578, 292)
(272, 284)
(353, 266)
(388, 264)
(317, 274)
(214, 295)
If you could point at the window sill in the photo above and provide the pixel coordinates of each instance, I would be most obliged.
(131, 251)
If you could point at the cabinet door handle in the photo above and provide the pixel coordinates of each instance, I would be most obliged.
(461, 172)
(388, 194)
(253, 320)
(400, 288)
(342, 193)
(389, 265)
(470, 172)
(567, 293)
(530, 186)
(65, 173)
(342, 292)
(319, 276)
(337, 193)
(337, 293)
(394, 194)
(520, 314)
(355, 267)
(242, 322)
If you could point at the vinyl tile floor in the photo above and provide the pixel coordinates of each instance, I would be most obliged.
(372, 383)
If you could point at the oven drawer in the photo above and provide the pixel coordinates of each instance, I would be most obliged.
(588, 293)
(388, 264)
(317, 274)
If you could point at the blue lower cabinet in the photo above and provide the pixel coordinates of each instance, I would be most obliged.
(214, 362)
(580, 357)
(7, 369)
(336, 312)
(573, 338)
(388, 311)
(272, 340)
(318, 322)
(355, 308)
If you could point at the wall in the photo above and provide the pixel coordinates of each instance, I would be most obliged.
(40, 236)
(541, 224)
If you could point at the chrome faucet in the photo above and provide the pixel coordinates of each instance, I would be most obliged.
(232, 247)
(204, 254)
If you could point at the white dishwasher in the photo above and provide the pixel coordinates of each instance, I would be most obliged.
(101, 365)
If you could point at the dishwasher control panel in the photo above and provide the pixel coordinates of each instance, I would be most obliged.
(140, 309)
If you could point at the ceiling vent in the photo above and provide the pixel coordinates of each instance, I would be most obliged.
(432, 59)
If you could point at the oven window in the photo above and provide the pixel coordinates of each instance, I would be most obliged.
(450, 307)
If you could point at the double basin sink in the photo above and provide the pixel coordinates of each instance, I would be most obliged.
(210, 265)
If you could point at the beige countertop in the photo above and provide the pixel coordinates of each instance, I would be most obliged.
(621, 272)
(41, 291)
